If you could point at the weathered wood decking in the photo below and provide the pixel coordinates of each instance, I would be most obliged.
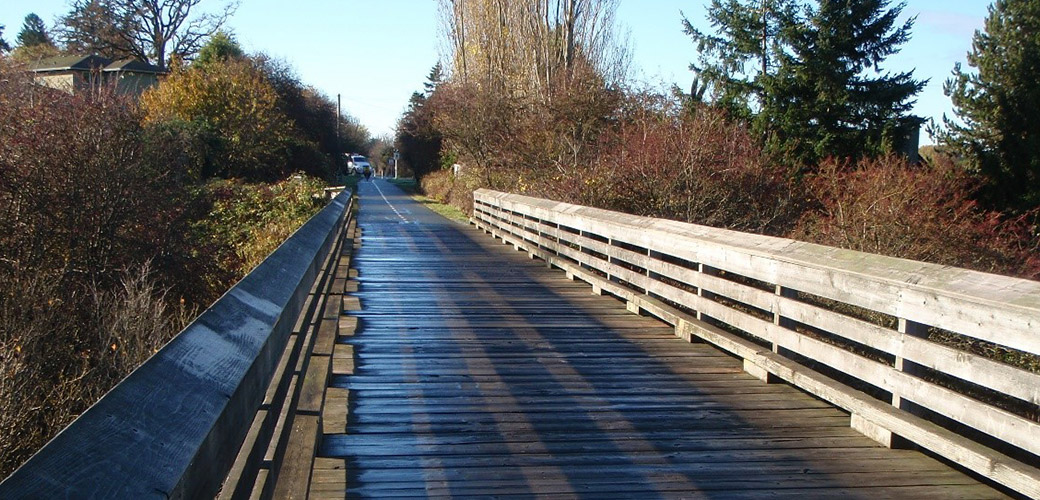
(479, 372)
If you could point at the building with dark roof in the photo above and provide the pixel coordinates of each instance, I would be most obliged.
(74, 74)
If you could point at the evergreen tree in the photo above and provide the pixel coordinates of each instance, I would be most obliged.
(34, 32)
(100, 27)
(745, 48)
(807, 78)
(829, 97)
(997, 134)
(220, 47)
(4, 47)
(417, 137)
(433, 79)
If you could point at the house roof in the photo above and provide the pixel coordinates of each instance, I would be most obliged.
(134, 65)
(65, 63)
(93, 62)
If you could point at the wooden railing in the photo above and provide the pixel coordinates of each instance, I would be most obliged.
(873, 335)
(174, 426)
(276, 459)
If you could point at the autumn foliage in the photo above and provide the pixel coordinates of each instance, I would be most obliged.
(922, 212)
(651, 154)
(543, 108)
(80, 236)
(114, 230)
(234, 106)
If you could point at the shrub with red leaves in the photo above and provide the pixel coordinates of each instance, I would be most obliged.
(921, 212)
(700, 168)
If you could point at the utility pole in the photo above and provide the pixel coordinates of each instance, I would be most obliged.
(339, 142)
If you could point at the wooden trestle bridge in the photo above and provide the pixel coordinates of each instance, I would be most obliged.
(385, 351)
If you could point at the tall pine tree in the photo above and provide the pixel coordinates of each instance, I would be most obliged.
(998, 134)
(744, 49)
(808, 76)
(34, 32)
(829, 97)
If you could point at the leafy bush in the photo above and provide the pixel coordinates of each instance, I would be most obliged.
(78, 183)
(247, 222)
(696, 167)
(107, 245)
(317, 144)
(920, 212)
(454, 190)
(193, 146)
(237, 107)
(637, 152)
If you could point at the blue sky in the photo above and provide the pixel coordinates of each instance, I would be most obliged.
(375, 53)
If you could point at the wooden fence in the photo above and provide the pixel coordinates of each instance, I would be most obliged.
(907, 348)
(173, 428)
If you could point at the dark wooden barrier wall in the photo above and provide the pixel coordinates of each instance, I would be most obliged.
(173, 427)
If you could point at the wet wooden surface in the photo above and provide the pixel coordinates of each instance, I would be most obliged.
(473, 370)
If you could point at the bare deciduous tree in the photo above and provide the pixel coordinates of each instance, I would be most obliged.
(165, 23)
(522, 47)
(152, 30)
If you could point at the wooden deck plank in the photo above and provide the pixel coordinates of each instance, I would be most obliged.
(334, 416)
(750, 460)
(326, 339)
(476, 371)
(342, 360)
(293, 479)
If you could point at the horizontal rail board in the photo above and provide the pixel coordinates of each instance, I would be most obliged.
(750, 283)
(957, 300)
(994, 421)
(961, 364)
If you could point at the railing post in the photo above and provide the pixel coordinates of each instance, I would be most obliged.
(701, 269)
(557, 236)
(781, 321)
(649, 255)
(913, 329)
(610, 260)
(881, 434)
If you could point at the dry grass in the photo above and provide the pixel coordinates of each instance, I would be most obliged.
(450, 212)
(61, 349)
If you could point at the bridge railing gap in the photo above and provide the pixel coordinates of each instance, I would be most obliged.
(855, 329)
(174, 426)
